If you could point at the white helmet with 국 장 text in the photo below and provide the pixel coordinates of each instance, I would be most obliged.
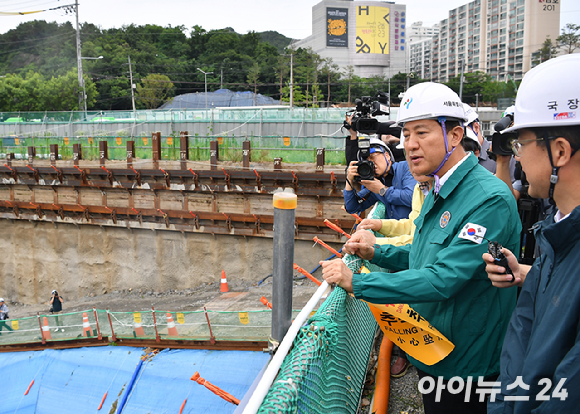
(545, 99)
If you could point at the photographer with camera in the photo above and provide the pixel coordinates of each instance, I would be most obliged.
(375, 177)
(542, 347)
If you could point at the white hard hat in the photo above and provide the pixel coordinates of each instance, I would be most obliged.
(401, 143)
(549, 95)
(376, 142)
(430, 100)
(1, 299)
(470, 113)
(471, 135)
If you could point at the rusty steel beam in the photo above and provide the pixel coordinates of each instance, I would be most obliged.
(219, 345)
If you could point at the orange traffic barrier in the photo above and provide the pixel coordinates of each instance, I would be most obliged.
(265, 302)
(87, 330)
(224, 285)
(216, 390)
(336, 228)
(308, 275)
(317, 240)
(45, 329)
(171, 329)
(381, 400)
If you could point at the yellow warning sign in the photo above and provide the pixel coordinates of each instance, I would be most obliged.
(180, 318)
(16, 141)
(169, 140)
(137, 317)
(287, 141)
(244, 318)
(372, 29)
(220, 140)
(66, 141)
(15, 325)
(91, 140)
(410, 331)
(119, 140)
(145, 141)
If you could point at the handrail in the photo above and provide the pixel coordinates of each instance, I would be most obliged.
(268, 378)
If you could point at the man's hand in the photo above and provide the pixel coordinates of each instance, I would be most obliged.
(351, 172)
(373, 185)
(497, 273)
(335, 271)
(362, 244)
(370, 224)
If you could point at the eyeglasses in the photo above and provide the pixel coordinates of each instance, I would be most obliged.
(517, 145)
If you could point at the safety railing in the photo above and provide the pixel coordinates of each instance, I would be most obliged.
(250, 325)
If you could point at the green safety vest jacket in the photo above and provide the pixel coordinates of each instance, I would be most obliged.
(442, 274)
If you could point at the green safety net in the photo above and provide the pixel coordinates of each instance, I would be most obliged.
(251, 325)
(325, 370)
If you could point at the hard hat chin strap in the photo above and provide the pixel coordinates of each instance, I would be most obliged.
(448, 153)
(554, 175)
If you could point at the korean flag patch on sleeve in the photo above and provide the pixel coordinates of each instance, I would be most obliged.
(473, 232)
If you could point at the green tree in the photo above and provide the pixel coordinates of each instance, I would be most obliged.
(253, 76)
(154, 90)
(569, 40)
(548, 50)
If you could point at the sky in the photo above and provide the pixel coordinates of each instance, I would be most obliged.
(292, 18)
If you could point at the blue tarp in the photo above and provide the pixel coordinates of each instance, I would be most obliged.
(75, 380)
(219, 98)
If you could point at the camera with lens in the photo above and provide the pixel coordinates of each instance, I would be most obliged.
(365, 167)
(501, 144)
(366, 108)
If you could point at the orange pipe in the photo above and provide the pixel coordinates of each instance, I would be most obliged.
(217, 391)
(28, 389)
(381, 400)
(317, 240)
(308, 275)
(182, 406)
(102, 401)
(336, 228)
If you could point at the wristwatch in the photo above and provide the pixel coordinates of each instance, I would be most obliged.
(383, 191)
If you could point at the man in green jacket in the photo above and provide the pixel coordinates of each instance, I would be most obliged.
(441, 275)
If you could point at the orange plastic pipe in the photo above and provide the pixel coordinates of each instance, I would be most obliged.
(317, 240)
(28, 389)
(308, 275)
(381, 400)
(102, 401)
(182, 406)
(217, 391)
(336, 228)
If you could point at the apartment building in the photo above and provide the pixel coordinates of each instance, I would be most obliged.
(420, 41)
(494, 36)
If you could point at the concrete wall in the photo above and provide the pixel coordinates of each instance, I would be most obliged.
(79, 260)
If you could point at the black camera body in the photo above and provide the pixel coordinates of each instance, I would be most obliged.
(366, 108)
(365, 167)
(501, 144)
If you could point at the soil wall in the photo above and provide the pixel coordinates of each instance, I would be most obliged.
(37, 257)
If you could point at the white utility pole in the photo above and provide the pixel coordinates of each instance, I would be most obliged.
(291, 80)
(79, 62)
(132, 85)
(205, 76)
